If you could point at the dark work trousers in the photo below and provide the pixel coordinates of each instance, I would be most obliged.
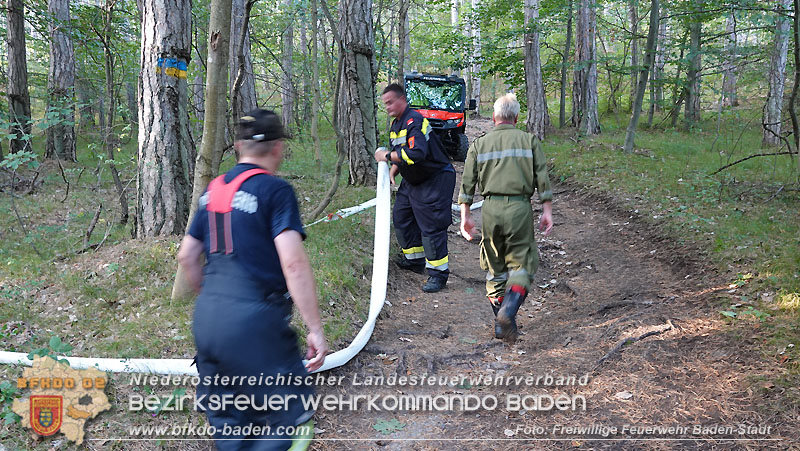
(240, 329)
(421, 216)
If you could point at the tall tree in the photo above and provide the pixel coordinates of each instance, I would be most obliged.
(287, 86)
(86, 109)
(164, 165)
(796, 86)
(633, 17)
(584, 91)
(455, 9)
(357, 106)
(19, 99)
(61, 84)
(692, 112)
(315, 96)
(214, 123)
(562, 104)
(197, 97)
(476, 57)
(729, 72)
(240, 48)
(659, 63)
(109, 103)
(538, 118)
(402, 38)
(650, 48)
(777, 75)
(133, 103)
(304, 107)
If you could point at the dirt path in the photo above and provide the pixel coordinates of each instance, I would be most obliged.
(603, 278)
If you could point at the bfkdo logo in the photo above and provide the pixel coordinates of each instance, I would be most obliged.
(62, 399)
(46, 414)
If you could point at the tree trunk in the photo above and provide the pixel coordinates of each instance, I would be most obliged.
(455, 24)
(633, 16)
(246, 97)
(538, 118)
(287, 88)
(660, 62)
(216, 100)
(305, 107)
(796, 87)
(650, 48)
(197, 99)
(402, 34)
(729, 74)
(109, 137)
(19, 100)
(85, 110)
(562, 105)
(165, 166)
(476, 59)
(777, 76)
(692, 113)
(315, 100)
(678, 93)
(61, 84)
(357, 107)
(133, 106)
(584, 94)
(216, 103)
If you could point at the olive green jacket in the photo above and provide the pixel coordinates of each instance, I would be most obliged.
(505, 162)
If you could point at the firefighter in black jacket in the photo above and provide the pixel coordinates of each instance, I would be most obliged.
(422, 207)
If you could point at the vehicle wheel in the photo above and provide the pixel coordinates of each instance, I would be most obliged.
(463, 146)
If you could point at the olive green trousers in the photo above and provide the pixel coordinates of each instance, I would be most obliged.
(508, 248)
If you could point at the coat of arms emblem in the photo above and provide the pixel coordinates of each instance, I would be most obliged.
(46, 414)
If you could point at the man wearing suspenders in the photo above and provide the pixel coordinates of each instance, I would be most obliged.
(248, 225)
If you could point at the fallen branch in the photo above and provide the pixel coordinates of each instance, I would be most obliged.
(630, 340)
(63, 176)
(751, 156)
(92, 225)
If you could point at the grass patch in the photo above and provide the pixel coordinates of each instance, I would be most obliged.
(746, 217)
(115, 301)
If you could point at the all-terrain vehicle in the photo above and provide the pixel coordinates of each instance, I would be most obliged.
(442, 100)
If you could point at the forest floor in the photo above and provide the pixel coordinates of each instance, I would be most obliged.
(619, 303)
(605, 277)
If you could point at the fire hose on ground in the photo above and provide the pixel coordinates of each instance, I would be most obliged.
(380, 268)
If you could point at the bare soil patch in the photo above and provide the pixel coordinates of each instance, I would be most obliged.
(614, 300)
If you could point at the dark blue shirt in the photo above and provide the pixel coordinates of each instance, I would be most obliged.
(263, 207)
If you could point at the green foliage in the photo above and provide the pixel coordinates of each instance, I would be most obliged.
(388, 426)
(54, 348)
(8, 393)
(14, 160)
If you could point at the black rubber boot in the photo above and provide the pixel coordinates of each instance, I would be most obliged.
(434, 284)
(505, 325)
(417, 265)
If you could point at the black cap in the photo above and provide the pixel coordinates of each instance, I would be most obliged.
(260, 125)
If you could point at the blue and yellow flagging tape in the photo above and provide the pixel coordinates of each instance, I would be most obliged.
(172, 67)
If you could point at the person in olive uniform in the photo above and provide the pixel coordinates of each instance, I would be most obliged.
(422, 208)
(508, 165)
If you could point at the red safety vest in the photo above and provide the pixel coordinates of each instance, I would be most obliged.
(219, 207)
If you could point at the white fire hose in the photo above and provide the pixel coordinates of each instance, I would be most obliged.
(380, 268)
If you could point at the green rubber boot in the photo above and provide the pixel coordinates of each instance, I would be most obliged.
(302, 440)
